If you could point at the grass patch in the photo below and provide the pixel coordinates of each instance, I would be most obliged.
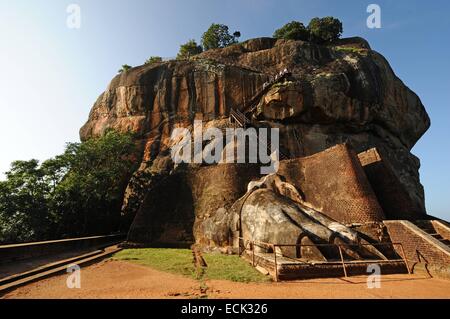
(179, 261)
(176, 261)
(352, 50)
(231, 267)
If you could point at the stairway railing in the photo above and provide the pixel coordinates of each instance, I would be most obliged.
(242, 121)
(265, 88)
(343, 262)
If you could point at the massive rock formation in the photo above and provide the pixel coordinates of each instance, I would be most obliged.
(340, 93)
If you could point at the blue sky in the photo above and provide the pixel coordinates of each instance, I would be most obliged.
(51, 75)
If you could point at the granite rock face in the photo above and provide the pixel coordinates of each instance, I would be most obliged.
(340, 93)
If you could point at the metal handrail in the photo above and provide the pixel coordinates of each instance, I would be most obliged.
(242, 120)
(404, 258)
(256, 242)
(239, 117)
(259, 94)
(343, 262)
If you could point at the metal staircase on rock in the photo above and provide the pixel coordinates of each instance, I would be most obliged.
(241, 120)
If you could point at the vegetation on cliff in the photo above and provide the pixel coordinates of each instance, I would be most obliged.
(189, 49)
(325, 29)
(319, 30)
(76, 193)
(292, 31)
(125, 68)
(153, 59)
(218, 36)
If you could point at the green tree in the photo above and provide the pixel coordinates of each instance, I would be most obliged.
(125, 68)
(293, 30)
(153, 59)
(189, 49)
(76, 193)
(89, 197)
(325, 29)
(217, 36)
(24, 203)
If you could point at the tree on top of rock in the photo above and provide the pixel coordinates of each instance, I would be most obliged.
(189, 49)
(325, 29)
(218, 36)
(319, 30)
(153, 59)
(293, 30)
(125, 68)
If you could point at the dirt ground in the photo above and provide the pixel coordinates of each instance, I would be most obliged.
(119, 279)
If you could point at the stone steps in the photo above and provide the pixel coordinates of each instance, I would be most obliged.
(427, 227)
(53, 269)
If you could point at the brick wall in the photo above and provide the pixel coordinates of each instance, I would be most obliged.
(335, 183)
(392, 195)
(413, 239)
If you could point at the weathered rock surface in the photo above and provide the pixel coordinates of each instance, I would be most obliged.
(341, 93)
